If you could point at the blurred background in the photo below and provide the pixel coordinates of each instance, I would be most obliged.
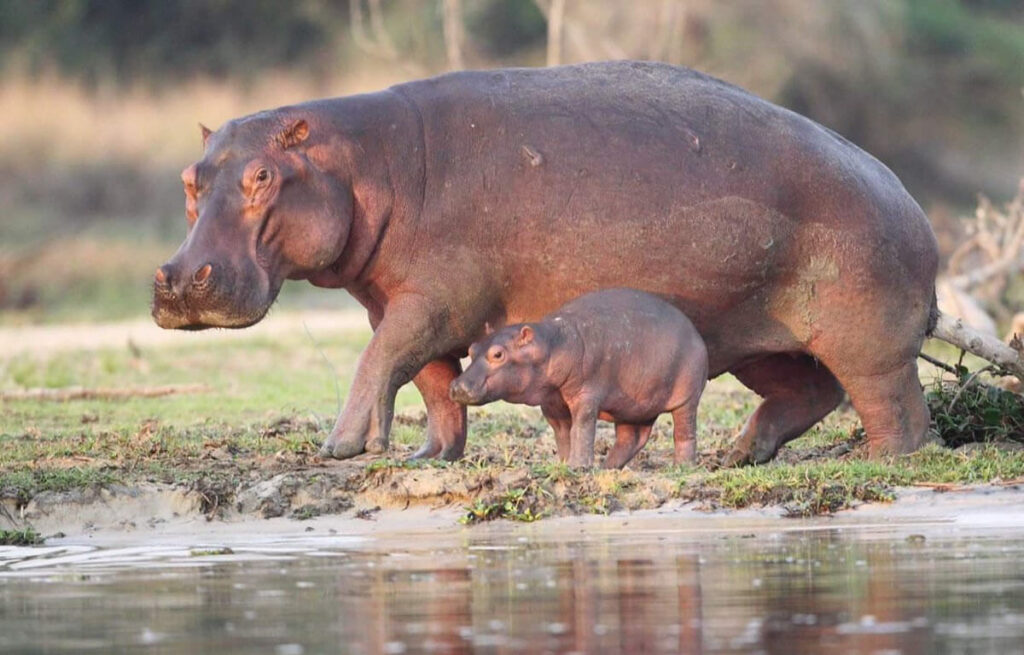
(99, 101)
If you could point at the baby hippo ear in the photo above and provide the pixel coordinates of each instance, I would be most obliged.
(294, 134)
(488, 330)
(525, 336)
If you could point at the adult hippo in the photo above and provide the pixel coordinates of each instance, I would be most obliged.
(495, 197)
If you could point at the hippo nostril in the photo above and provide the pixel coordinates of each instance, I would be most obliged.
(203, 274)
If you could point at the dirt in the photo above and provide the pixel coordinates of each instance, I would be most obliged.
(344, 497)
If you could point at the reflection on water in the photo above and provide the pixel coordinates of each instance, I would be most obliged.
(825, 591)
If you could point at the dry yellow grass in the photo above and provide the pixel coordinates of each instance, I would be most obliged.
(50, 119)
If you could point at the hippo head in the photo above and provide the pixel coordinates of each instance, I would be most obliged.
(510, 364)
(258, 212)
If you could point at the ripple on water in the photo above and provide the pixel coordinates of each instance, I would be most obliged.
(651, 592)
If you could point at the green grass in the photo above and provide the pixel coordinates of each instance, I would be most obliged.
(271, 403)
(23, 537)
(818, 487)
(23, 484)
(265, 395)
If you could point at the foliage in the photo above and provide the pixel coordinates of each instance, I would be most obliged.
(820, 487)
(519, 504)
(126, 39)
(505, 27)
(24, 537)
(24, 484)
(968, 410)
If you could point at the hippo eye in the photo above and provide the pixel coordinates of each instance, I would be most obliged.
(262, 175)
(497, 355)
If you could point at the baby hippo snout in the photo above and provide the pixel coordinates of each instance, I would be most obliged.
(463, 393)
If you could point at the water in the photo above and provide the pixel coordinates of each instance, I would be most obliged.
(622, 586)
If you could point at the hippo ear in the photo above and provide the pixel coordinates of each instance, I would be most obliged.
(488, 330)
(294, 134)
(206, 134)
(525, 336)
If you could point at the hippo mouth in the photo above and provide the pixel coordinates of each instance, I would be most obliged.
(170, 320)
(210, 310)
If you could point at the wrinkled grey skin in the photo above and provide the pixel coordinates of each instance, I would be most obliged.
(619, 353)
(497, 196)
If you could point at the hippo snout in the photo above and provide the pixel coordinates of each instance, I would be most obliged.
(463, 393)
(195, 296)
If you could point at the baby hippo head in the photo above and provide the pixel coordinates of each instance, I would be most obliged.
(509, 364)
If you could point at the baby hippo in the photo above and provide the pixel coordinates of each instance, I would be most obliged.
(619, 354)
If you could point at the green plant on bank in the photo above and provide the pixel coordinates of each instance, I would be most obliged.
(24, 537)
(819, 487)
(518, 504)
(22, 485)
(210, 552)
(967, 410)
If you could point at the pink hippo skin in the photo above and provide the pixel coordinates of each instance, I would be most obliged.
(495, 197)
(620, 354)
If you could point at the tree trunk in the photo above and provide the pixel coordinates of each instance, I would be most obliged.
(556, 17)
(453, 33)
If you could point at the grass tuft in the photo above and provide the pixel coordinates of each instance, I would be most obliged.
(24, 537)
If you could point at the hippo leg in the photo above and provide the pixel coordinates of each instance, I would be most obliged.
(446, 420)
(581, 436)
(684, 432)
(798, 392)
(891, 408)
(558, 417)
(407, 338)
(629, 439)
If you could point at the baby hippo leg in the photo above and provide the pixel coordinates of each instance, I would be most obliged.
(581, 436)
(558, 417)
(684, 432)
(629, 439)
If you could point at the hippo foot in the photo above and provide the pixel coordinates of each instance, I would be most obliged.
(340, 448)
(437, 450)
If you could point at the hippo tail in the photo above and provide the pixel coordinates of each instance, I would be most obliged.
(933, 315)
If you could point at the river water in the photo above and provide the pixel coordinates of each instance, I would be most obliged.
(616, 585)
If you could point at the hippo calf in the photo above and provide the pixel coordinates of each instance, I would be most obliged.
(622, 354)
(495, 197)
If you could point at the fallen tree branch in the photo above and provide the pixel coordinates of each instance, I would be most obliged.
(939, 363)
(100, 393)
(952, 330)
(941, 487)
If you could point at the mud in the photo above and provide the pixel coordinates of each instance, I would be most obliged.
(386, 495)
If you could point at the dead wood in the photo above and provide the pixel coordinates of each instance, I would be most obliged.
(1006, 356)
(64, 394)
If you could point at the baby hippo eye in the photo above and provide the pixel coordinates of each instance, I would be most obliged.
(496, 355)
(262, 175)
